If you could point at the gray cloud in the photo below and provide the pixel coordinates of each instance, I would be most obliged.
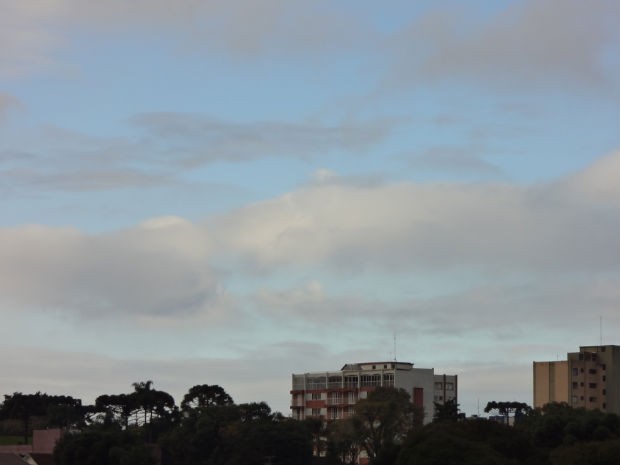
(7, 103)
(33, 34)
(455, 160)
(417, 226)
(531, 44)
(168, 266)
(196, 139)
(160, 268)
(164, 146)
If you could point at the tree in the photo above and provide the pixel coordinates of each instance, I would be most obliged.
(117, 407)
(103, 447)
(317, 428)
(255, 411)
(59, 410)
(204, 396)
(151, 402)
(506, 408)
(23, 407)
(343, 445)
(65, 412)
(382, 420)
(448, 411)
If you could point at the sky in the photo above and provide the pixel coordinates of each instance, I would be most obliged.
(205, 192)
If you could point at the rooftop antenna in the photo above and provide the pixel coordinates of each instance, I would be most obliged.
(394, 345)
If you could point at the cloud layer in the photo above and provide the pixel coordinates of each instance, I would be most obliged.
(169, 265)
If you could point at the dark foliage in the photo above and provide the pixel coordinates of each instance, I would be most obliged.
(101, 447)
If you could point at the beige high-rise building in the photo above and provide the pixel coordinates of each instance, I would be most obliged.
(587, 379)
(550, 382)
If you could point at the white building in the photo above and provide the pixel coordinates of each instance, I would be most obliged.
(331, 395)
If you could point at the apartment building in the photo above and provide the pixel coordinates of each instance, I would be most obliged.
(587, 379)
(332, 395)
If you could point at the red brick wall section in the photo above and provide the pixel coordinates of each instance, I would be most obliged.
(418, 397)
(44, 440)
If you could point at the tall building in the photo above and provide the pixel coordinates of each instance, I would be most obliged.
(588, 379)
(550, 382)
(332, 395)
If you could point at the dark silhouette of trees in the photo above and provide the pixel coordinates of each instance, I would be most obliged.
(468, 442)
(204, 396)
(116, 407)
(448, 411)
(103, 447)
(382, 420)
(213, 430)
(143, 405)
(63, 411)
(343, 444)
(506, 408)
(138, 427)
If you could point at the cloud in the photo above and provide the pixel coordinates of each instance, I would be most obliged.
(198, 139)
(454, 160)
(34, 33)
(7, 103)
(163, 147)
(500, 309)
(159, 268)
(416, 226)
(170, 267)
(529, 44)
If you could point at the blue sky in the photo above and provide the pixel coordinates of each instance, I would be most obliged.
(230, 192)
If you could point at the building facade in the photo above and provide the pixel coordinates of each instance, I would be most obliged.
(587, 379)
(332, 395)
(550, 382)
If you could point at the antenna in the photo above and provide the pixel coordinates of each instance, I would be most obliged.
(394, 345)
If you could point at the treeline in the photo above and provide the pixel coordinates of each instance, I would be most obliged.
(145, 427)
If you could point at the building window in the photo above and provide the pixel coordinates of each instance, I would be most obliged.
(604, 378)
(592, 371)
(581, 398)
(604, 392)
(592, 385)
(575, 385)
(575, 371)
(316, 383)
(575, 399)
(592, 399)
(316, 396)
(449, 386)
(388, 379)
(316, 412)
(370, 380)
(603, 367)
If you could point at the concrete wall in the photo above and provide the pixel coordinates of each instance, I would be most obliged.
(550, 382)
